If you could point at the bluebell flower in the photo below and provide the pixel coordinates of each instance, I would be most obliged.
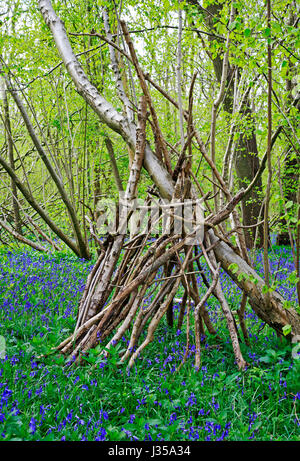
(131, 419)
(101, 435)
(32, 426)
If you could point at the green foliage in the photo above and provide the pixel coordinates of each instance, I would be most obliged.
(73, 132)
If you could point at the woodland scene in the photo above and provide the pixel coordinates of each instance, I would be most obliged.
(149, 220)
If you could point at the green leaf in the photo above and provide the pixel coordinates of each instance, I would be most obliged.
(153, 422)
(287, 304)
(265, 359)
(233, 25)
(265, 289)
(2, 347)
(287, 329)
(292, 278)
(293, 220)
(233, 268)
(266, 32)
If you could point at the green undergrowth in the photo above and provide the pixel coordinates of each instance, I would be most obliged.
(46, 399)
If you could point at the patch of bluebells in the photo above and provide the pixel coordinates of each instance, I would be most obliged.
(38, 291)
(39, 286)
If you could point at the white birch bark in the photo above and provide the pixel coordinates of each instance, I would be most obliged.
(115, 67)
(106, 112)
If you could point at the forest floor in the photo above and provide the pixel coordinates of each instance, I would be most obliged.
(48, 400)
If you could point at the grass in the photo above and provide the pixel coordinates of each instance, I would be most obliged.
(47, 400)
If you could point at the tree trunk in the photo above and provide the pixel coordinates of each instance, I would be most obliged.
(246, 154)
(10, 150)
